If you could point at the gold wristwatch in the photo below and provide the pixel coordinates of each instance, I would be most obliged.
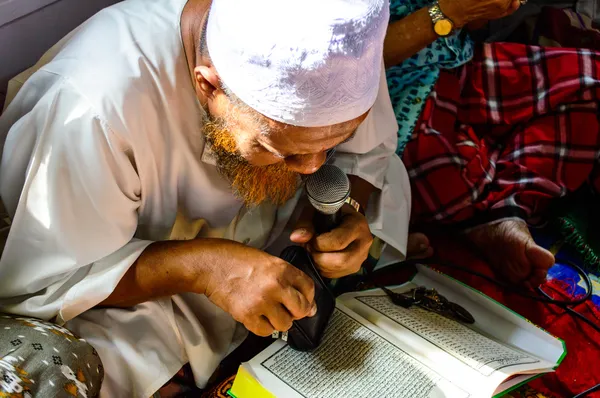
(442, 25)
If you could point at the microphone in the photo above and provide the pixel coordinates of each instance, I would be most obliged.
(327, 190)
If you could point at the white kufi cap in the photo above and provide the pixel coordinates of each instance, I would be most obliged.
(302, 62)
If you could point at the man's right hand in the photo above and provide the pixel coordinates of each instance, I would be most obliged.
(261, 291)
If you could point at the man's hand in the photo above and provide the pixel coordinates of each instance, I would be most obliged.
(465, 12)
(340, 252)
(261, 291)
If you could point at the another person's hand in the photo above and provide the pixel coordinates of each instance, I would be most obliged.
(463, 12)
(261, 291)
(340, 252)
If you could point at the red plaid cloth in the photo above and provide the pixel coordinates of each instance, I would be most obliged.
(503, 135)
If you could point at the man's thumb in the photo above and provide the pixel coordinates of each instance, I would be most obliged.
(303, 231)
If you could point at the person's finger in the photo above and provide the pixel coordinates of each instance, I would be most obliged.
(279, 318)
(339, 264)
(537, 277)
(506, 4)
(299, 298)
(297, 304)
(417, 244)
(304, 230)
(260, 326)
(353, 226)
(512, 7)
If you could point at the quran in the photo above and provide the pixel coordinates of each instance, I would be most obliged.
(374, 348)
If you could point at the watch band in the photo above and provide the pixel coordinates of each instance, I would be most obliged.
(442, 25)
(354, 204)
(435, 12)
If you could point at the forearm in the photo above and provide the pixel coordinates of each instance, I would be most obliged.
(407, 37)
(168, 268)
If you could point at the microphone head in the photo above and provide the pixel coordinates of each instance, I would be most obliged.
(328, 189)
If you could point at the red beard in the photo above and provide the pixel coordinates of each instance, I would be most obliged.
(253, 184)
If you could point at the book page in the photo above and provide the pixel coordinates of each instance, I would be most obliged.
(471, 359)
(352, 361)
(465, 344)
(495, 320)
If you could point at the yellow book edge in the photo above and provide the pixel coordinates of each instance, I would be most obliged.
(246, 386)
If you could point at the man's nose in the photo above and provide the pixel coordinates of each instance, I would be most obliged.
(306, 164)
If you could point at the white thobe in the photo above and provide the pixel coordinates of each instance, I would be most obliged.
(104, 154)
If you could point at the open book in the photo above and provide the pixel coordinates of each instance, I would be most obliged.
(374, 348)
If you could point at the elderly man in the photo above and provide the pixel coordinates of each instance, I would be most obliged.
(152, 162)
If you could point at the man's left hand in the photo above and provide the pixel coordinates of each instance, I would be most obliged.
(341, 251)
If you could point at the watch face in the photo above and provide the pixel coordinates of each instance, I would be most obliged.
(443, 27)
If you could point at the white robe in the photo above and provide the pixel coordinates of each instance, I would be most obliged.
(103, 154)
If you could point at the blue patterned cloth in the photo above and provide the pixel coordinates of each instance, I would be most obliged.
(411, 82)
(574, 283)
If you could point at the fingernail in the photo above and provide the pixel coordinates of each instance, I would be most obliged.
(299, 234)
(423, 247)
(313, 311)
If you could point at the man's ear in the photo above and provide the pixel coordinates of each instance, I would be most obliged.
(207, 80)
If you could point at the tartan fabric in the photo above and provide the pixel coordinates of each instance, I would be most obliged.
(504, 134)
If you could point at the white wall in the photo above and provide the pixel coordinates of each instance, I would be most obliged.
(30, 27)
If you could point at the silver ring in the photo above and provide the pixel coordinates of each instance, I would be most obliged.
(523, 2)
